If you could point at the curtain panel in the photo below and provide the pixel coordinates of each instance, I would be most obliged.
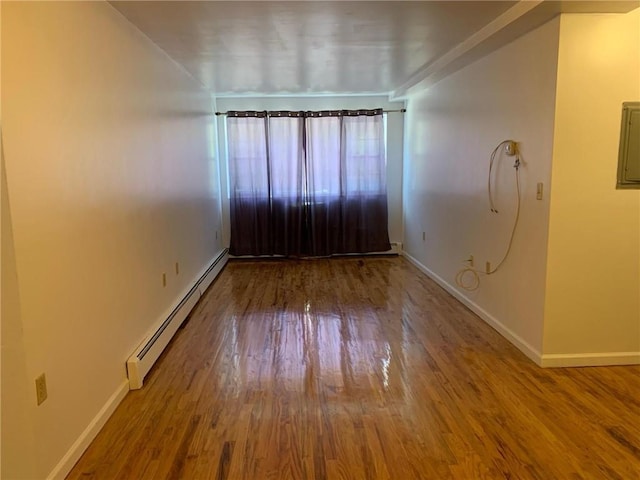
(307, 183)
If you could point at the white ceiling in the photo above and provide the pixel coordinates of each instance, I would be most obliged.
(314, 47)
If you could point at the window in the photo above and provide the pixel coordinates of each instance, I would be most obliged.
(247, 151)
(307, 183)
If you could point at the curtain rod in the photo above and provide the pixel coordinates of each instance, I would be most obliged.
(401, 110)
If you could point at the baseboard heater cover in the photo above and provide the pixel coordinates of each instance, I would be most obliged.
(141, 361)
(396, 249)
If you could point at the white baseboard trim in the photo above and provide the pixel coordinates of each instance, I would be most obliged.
(505, 331)
(590, 359)
(64, 466)
(543, 360)
(62, 469)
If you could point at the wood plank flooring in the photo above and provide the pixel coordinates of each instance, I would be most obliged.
(360, 368)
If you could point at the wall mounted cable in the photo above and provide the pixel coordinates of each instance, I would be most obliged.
(469, 278)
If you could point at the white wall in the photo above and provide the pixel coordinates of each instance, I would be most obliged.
(593, 276)
(395, 126)
(111, 179)
(451, 130)
(18, 409)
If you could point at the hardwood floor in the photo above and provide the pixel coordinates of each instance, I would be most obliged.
(360, 368)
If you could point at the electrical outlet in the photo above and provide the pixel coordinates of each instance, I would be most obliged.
(164, 279)
(41, 389)
(177, 268)
(487, 267)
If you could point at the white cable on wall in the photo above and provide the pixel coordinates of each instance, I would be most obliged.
(469, 278)
(465, 273)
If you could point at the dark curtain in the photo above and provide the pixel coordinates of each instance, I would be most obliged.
(307, 183)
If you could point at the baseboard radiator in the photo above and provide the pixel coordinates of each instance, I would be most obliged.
(140, 363)
(396, 249)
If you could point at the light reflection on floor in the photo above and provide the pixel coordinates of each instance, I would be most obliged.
(314, 343)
